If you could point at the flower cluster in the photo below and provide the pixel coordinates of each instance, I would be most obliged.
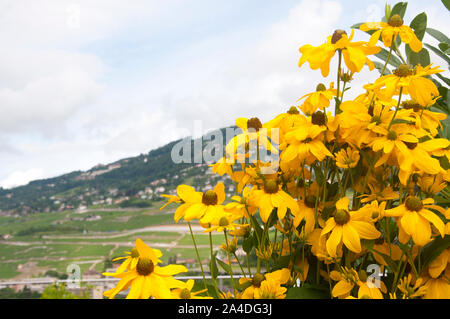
(354, 186)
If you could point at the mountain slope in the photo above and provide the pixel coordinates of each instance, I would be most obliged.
(131, 181)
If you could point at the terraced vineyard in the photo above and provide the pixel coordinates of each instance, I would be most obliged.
(52, 241)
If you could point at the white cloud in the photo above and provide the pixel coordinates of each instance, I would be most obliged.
(18, 178)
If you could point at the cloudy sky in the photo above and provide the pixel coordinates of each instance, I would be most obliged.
(87, 82)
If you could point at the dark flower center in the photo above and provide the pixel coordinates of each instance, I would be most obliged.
(209, 198)
(341, 217)
(254, 123)
(403, 70)
(392, 136)
(270, 186)
(145, 266)
(258, 279)
(321, 87)
(337, 35)
(395, 21)
(318, 118)
(134, 253)
(413, 203)
(293, 110)
(185, 294)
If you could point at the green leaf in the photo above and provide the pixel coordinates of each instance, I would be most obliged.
(443, 78)
(446, 4)
(414, 58)
(399, 8)
(307, 292)
(320, 178)
(391, 263)
(438, 52)
(438, 35)
(444, 47)
(419, 25)
(393, 60)
(432, 250)
(247, 244)
(224, 266)
(214, 271)
(379, 66)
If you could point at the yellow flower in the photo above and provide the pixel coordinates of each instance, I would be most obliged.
(415, 218)
(389, 31)
(347, 227)
(320, 99)
(147, 279)
(354, 53)
(185, 292)
(239, 207)
(305, 143)
(411, 81)
(439, 287)
(347, 158)
(252, 130)
(272, 196)
(132, 259)
(204, 206)
(172, 199)
(270, 289)
(347, 279)
(265, 286)
(411, 289)
(222, 222)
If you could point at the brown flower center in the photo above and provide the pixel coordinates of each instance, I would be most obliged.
(318, 118)
(413, 203)
(209, 198)
(395, 21)
(293, 110)
(337, 35)
(254, 123)
(341, 217)
(185, 294)
(392, 135)
(270, 186)
(223, 222)
(403, 70)
(321, 87)
(145, 266)
(258, 279)
(134, 253)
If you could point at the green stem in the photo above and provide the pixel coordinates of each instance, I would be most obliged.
(212, 265)
(198, 255)
(396, 108)
(229, 262)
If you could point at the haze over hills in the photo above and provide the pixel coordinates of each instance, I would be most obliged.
(133, 181)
